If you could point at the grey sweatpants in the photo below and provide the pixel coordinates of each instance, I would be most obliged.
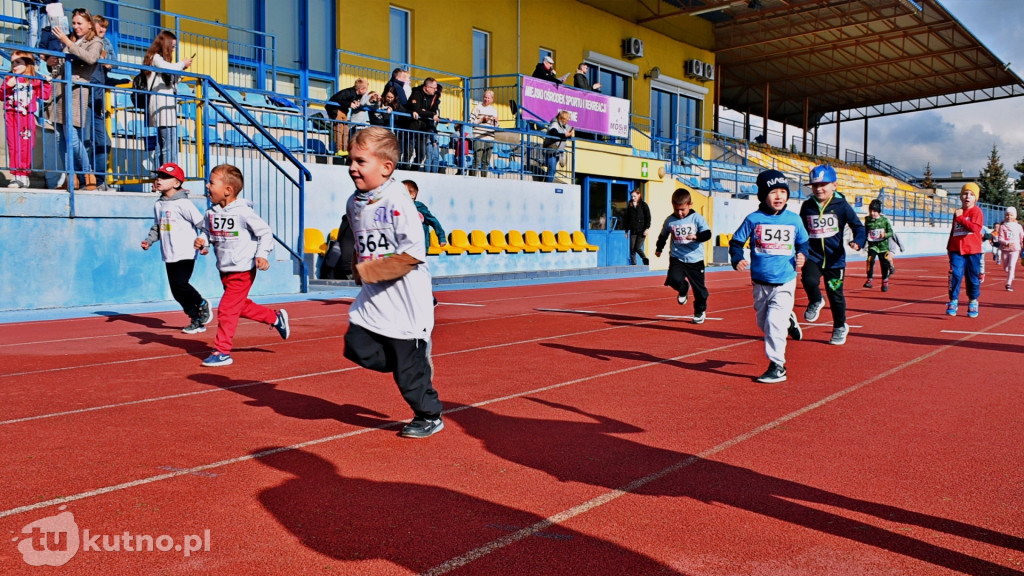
(772, 307)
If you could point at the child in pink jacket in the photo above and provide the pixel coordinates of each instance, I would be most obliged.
(20, 96)
(1009, 241)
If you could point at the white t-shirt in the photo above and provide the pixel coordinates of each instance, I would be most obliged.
(402, 308)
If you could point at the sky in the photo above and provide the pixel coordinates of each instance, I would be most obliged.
(961, 137)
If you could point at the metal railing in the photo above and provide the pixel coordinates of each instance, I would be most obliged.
(855, 157)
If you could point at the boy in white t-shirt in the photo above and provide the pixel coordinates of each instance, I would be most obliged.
(392, 318)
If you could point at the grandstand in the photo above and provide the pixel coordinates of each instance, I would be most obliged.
(247, 103)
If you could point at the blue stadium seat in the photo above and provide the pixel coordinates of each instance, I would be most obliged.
(139, 129)
(292, 143)
(316, 146)
(263, 142)
(253, 99)
(236, 139)
(272, 120)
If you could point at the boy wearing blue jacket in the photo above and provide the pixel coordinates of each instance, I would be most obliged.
(778, 244)
(686, 265)
(826, 214)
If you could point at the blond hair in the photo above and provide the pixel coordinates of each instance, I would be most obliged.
(378, 140)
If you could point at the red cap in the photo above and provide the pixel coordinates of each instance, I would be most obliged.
(173, 170)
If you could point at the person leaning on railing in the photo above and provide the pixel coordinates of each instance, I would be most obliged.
(162, 107)
(83, 48)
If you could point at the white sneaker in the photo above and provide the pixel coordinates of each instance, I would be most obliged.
(699, 318)
(813, 310)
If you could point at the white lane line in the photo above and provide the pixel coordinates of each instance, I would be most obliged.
(565, 310)
(984, 333)
(440, 303)
(635, 485)
(246, 457)
(685, 317)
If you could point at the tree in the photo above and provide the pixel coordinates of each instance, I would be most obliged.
(995, 183)
(927, 181)
(1019, 167)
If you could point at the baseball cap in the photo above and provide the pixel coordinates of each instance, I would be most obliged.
(822, 174)
(171, 169)
(971, 187)
(770, 180)
(549, 59)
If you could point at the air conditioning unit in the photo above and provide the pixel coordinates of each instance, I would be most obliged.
(633, 48)
(709, 71)
(695, 68)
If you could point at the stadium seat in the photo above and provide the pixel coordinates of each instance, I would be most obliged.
(314, 242)
(547, 238)
(434, 245)
(533, 239)
(497, 240)
(292, 143)
(515, 239)
(563, 239)
(579, 239)
(479, 239)
(315, 146)
(460, 240)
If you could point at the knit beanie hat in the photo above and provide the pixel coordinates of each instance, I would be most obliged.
(768, 181)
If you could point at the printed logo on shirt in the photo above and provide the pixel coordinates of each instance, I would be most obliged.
(384, 216)
(823, 226)
(774, 239)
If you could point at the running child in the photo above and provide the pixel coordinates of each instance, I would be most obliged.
(391, 320)
(686, 262)
(826, 214)
(778, 244)
(242, 242)
(879, 231)
(20, 96)
(965, 251)
(177, 224)
(1010, 236)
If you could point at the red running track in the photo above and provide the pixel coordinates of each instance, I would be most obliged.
(591, 428)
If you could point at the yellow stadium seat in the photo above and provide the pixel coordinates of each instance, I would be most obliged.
(547, 238)
(579, 239)
(434, 248)
(533, 239)
(516, 240)
(563, 239)
(458, 239)
(479, 239)
(333, 235)
(497, 238)
(314, 242)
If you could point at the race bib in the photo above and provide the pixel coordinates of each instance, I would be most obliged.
(876, 234)
(775, 239)
(681, 231)
(223, 227)
(373, 244)
(823, 226)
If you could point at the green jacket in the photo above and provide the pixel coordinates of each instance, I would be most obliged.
(879, 231)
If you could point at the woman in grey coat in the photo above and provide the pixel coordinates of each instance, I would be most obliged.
(84, 47)
(162, 108)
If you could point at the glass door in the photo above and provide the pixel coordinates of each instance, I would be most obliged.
(604, 218)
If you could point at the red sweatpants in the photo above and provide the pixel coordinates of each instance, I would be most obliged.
(234, 304)
(21, 139)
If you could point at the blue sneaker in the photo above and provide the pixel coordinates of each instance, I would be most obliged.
(218, 359)
(951, 307)
(281, 325)
(972, 309)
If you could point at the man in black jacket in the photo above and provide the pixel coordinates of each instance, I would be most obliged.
(423, 106)
(338, 108)
(545, 70)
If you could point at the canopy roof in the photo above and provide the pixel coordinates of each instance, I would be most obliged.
(819, 61)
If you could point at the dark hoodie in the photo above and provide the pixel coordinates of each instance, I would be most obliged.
(825, 227)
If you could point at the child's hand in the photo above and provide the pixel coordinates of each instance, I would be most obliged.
(10, 82)
(199, 244)
(657, 254)
(262, 264)
(145, 245)
(959, 212)
(742, 265)
(800, 259)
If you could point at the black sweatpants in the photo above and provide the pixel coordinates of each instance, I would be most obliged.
(883, 261)
(178, 275)
(833, 289)
(407, 360)
(683, 275)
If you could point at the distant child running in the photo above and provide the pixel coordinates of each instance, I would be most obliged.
(826, 215)
(1010, 236)
(177, 225)
(879, 231)
(242, 242)
(391, 320)
(778, 244)
(428, 219)
(20, 96)
(965, 251)
(686, 263)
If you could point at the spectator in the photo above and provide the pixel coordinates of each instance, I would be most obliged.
(338, 109)
(423, 106)
(484, 117)
(35, 14)
(581, 79)
(638, 222)
(84, 48)
(380, 115)
(20, 96)
(162, 106)
(400, 86)
(554, 145)
(403, 88)
(97, 140)
(545, 70)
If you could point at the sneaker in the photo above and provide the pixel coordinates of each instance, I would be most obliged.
(952, 307)
(813, 310)
(885, 285)
(422, 427)
(281, 325)
(699, 318)
(868, 284)
(1009, 288)
(14, 183)
(682, 298)
(218, 359)
(205, 316)
(839, 335)
(195, 327)
(795, 332)
(647, 261)
(972, 309)
(774, 373)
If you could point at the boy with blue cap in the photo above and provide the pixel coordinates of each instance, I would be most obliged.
(825, 215)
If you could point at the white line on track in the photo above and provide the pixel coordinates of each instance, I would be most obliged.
(983, 333)
(443, 303)
(685, 317)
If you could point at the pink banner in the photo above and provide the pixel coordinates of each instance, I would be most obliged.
(590, 111)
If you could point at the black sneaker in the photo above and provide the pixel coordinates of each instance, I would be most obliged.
(422, 427)
(281, 325)
(774, 373)
(795, 332)
(195, 327)
(205, 315)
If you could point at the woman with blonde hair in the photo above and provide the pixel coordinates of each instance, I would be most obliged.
(162, 107)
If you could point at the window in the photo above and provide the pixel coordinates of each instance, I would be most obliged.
(676, 113)
(612, 83)
(481, 61)
(544, 53)
(320, 44)
(400, 36)
(285, 24)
